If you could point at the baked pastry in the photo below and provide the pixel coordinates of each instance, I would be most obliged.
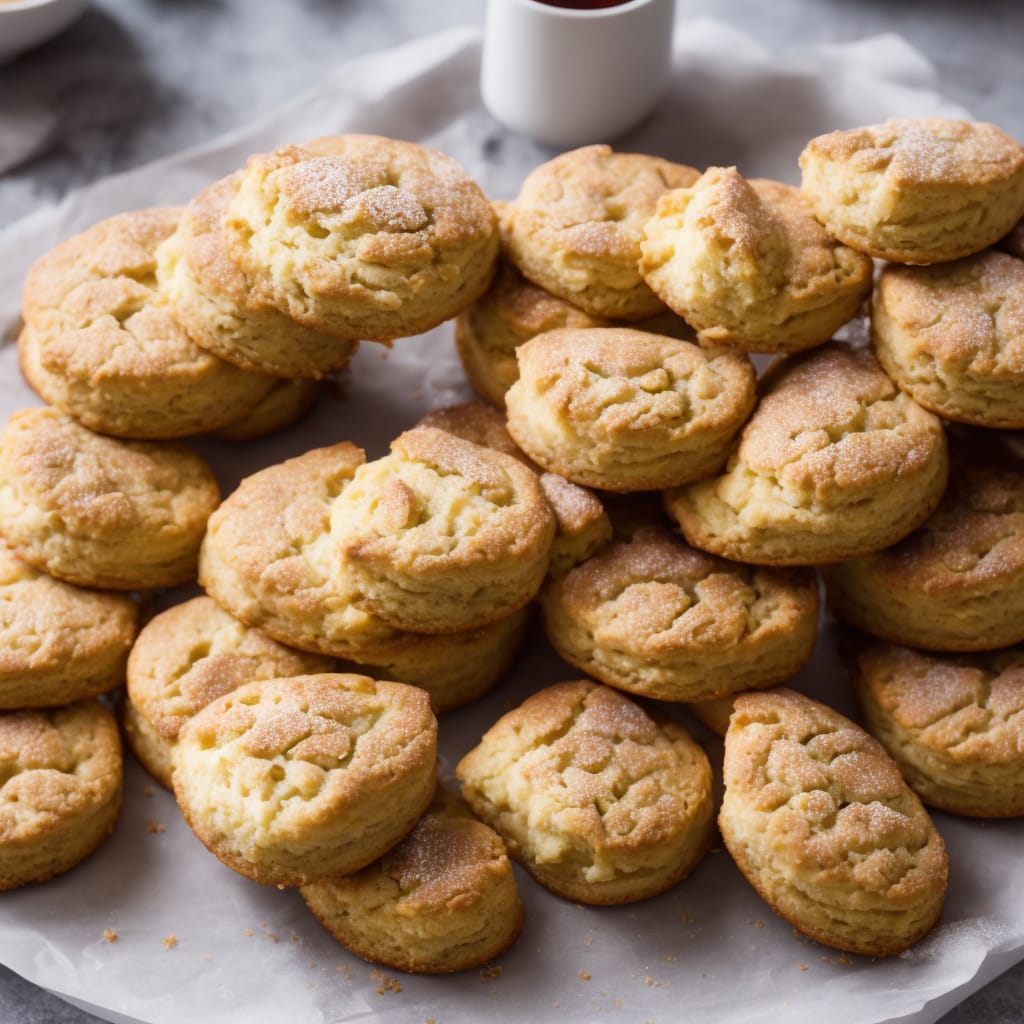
(923, 190)
(58, 643)
(952, 336)
(601, 801)
(284, 404)
(575, 229)
(746, 264)
(60, 788)
(185, 658)
(835, 462)
(819, 820)
(713, 714)
(444, 899)
(103, 346)
(626, 410)
(288, 781)
(657, 618)
(1013, 242)
(100, 512)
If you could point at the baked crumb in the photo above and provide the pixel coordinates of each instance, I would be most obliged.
(110, 935)
(248, 933)
(802, 967)
(584, 976)
(155, 826)
(385, 983)
(489, 974)
(273, 936)
(170, 942)
(147, 791)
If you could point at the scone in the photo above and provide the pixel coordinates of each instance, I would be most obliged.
(102, 345)
(600, 801)
(952, 336)
(58, 643)
(746, 264)
(919, 191)
(575, 229)
(443, 900)
(625, 410)
(835, 462)
(188, 656)
(1013, 242)
(288, 781)
(819, 820)
(60, 788)
(284, 404)
(98, 511)
(657, 618)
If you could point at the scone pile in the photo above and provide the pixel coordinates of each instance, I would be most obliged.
(632, 476)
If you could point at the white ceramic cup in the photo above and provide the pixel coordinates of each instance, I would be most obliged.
(567, 77)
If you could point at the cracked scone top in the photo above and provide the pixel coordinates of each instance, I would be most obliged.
(952, 336)
(102, 345)
(834, 462)
(918, 191)
(60, 788)
(746, 264)
(819, 820)
(601, 802)
(445, 899)
(443, 535)
(575, 229)
(657, 618)
(288, 781)
(625, 410)
(361, 236)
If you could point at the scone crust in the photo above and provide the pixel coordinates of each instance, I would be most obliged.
(288, 781)
(819, 820)
(285, 403)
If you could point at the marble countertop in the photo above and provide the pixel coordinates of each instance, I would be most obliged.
(137, 79)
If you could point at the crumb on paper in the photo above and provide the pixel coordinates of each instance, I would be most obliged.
(155, 827)
(207, 956)
(685, 917)
(590, 941)
(489, 974)
(648, 980)
(248, 933)
(843, 959)
(802, 967)
(294, 937)
(147, 791)
(759, 923)
(670, 958)
(342, 969)
(273, 936)
(385, 983)
(618, 1004)
(170, 942)
(312, 963)
(584, 976)
(110, 935)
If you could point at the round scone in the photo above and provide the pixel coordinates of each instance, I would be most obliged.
(952, 336)
(443, 535)
(268, 558)
(288, 781)
(600, 801)
(58, 643)
(625, 410)
(362, 236)
(919, 191)
(819, 820)
(957, 582)
(952, 723)
(747, 264)
(98, 511)
(576, 228)
(102, 345)
(187, 657)
(836, 461)
(60, 788)
(445, 899)
(657, 618)
(1013, 243)
(284, 404)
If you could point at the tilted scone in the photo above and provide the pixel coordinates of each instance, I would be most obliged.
(819, 820)
(600, 801)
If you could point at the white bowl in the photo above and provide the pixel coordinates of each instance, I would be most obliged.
(27, 23)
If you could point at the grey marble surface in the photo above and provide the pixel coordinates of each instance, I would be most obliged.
(137, 79)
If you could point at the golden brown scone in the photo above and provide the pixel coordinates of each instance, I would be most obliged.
(288, 781)
(478, 422)
(185, 658)
(103, 346)
(819, 820)
(98, 511)
(952, 336)
(215, 299)
(443, 900)
(268, 559)
(576, 228)
(58, 643)
(361, 236)
(60, 788)
(443, 535)
(835, 462)
(657, 618)
(1013, 243)
(746, 264)
(601, 802)
(625, 410)
(957, 582)
(923, 190)
(284, 404)
(953, 724)
(713, 714)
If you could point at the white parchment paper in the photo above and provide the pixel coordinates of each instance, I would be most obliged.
(709, 950)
